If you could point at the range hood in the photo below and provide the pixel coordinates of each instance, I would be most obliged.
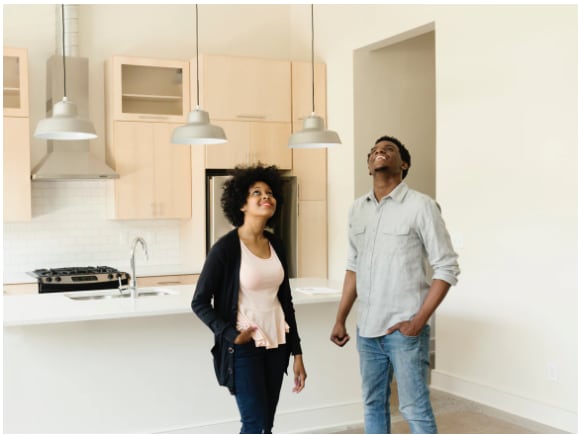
(69, 159)
(71, 164)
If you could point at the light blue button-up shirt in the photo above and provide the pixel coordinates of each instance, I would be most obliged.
(394, 244)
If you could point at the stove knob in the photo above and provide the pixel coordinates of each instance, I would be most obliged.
(49, 279)
(58, 279)
(110, 276)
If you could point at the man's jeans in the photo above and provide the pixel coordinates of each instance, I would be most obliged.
(408, 358)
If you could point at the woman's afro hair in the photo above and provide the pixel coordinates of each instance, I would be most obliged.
(236, 190)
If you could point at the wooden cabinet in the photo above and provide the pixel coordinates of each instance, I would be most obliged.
(309, 165)
(145, 100)
(16, 137)
(17, 189)
(155, 175)
(312, 241)
(250, 142)
(250, 89)
(250, 99)
(24, 288)
(15, 82)
(145, 89)
(169, 280)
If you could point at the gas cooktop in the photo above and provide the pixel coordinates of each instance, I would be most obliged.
(78, 278)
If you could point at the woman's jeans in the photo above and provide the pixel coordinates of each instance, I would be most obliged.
(258, 380)
(408, 359)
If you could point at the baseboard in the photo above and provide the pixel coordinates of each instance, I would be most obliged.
(527, 408)
(325, 419)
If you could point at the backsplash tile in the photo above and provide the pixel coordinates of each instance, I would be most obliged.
(70, 227)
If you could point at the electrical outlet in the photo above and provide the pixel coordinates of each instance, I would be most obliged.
(552, 371)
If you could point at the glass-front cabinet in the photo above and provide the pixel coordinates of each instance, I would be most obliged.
(144, 89)
(15, 82)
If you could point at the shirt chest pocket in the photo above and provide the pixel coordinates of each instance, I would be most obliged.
(396, 238)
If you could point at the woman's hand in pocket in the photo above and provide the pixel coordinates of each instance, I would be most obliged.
(245, 336)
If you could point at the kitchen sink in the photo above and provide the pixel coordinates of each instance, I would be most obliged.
(116, 294)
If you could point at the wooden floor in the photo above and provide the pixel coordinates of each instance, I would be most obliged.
(456, 415)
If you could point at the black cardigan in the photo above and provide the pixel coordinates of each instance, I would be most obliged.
(220, 280)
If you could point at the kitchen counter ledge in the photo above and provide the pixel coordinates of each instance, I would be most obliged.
(38, 309)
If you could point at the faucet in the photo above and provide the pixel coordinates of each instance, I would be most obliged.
(133, 286)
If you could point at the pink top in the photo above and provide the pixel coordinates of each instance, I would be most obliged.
(258, 303)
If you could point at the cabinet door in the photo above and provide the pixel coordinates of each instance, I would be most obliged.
(133, 150)
(312, 239)
(269, 144)
(155, 175)
(236, 151)
(237, 88)
(309, 165)
(17, 190)
(15, 82)
(172, 174)
(160, 281)
(142, 89)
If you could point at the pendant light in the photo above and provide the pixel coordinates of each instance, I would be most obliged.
(198, 129)
(65, 123)
(313, 134)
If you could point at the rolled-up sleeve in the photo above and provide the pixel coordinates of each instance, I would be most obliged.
(440, 253)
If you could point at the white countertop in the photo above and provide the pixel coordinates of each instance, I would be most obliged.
(35, 309)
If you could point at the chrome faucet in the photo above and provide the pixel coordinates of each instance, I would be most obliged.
(133, 286)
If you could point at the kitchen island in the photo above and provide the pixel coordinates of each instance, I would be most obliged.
(144, 366)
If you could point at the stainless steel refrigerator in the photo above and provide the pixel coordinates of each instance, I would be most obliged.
(218, 225)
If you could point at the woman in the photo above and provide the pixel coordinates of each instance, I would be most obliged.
(252, 316)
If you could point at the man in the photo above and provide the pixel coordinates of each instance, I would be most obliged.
(394, 234)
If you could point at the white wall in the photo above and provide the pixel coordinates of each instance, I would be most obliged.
(506, 90)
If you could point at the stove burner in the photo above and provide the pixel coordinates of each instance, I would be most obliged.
(71, 271)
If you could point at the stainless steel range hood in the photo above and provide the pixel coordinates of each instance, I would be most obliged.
(70, 159)
(71, 164)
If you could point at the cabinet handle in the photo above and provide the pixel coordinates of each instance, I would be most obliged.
(169, 282)
(254, 116)
(153, 117)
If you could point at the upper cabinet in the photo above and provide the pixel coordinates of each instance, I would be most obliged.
(244, 89)
(16, 152)
(145, 89)
(250, 142)
(250, 99)
(15, 82)
(146, 100)
(16, 137)
(155, 175)
(309, 165)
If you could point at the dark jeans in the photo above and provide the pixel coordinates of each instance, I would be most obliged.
(258, 379)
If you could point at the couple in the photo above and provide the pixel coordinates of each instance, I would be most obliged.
(243, 293)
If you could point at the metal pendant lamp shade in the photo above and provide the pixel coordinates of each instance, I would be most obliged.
(198, 129)
(65, 123)
(313, 134)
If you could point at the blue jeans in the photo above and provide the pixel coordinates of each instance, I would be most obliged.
(408, 359)
(258, 374)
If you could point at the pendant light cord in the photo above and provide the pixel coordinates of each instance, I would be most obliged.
(312, 51)
(197, 54)
(63, 52)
